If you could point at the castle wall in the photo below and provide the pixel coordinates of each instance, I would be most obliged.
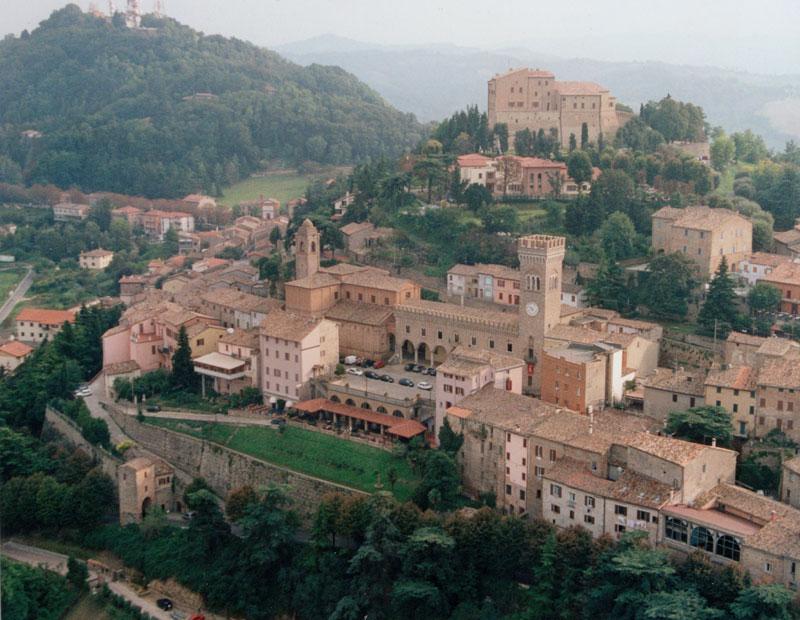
(224, 469)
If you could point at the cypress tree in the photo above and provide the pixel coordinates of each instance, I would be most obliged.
(720, 307)
(183, 375)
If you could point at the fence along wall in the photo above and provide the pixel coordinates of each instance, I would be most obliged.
(224, 469)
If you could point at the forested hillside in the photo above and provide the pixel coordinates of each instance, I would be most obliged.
(118, 109)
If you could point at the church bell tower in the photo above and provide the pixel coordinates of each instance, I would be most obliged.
(540, 262)
(306, 254)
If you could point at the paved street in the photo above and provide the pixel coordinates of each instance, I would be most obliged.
(17, 295)
(34, 556)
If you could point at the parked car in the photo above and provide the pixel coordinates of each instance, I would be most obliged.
(189, 515)
(417, 368)
(387, 378)
(380, 364)
(406, 382)
(153, 408)
(354, 371)
(278, 421)
(164, 603)
(424, 385)
(430, 371)
(409, 367)
(350, 360)
(371, 374)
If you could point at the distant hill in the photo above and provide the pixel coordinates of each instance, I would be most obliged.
(165, 110)
(434, 81)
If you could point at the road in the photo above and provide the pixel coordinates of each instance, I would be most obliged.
(57, 562)
(17, 295)
(93, 403)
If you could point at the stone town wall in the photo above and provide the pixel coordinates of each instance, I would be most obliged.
(689, 350)
(56, 423)
(225, 469)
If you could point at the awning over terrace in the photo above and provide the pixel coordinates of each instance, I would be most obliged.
(397, 427)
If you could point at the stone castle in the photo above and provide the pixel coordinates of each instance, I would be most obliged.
(533, 99)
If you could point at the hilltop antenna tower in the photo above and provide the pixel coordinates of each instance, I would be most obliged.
(133, 16)
(111, 8)
(158, 8)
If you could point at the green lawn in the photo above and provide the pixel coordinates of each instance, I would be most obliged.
(316, 454)
(279, 185)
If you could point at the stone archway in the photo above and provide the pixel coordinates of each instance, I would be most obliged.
(381, 409)
(423, 353)
(397, 413)
(408, 350)
(392, 343)
(350, 402)
(335, 399)
(365, 405)
(439, 355)
(146, 506)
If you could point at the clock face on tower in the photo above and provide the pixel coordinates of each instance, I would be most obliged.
(532, 309)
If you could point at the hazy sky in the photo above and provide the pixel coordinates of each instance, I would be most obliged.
(762, 36)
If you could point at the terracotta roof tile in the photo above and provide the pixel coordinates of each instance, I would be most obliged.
(45, 316)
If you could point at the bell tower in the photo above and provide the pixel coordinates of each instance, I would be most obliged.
(540, 264)
(306, 253)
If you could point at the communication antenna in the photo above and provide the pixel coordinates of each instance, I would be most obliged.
(158, 8)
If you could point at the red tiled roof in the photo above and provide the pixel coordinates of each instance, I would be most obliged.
(48, 317)
(15, 348)
(473, 160)
(538, 162)
(399, 427)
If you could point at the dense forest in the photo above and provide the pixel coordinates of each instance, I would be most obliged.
(165, 110)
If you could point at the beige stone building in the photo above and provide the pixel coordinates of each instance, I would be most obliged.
(13, 353)
(466, 371)
(669, 390)
(704, 235)
(734, 389)
(144, 484)
(361, 237)
(778, 394)
(234, 364)
(365, 330)
(534, 99)
(790, 482)
(294, 350)
(95, 259)
(36, 324)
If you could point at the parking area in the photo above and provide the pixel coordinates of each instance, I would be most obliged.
(392, 390)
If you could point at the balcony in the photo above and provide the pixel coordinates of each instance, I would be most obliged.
(221, 366)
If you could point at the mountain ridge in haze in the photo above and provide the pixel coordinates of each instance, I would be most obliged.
(433, 81)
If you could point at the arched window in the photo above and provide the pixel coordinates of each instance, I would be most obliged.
(365, 406)
(381, 409)
(313, 246)
(302, 246)
(553, 282)
(676, 529)
(350, 402)
(397, 413)
(537, 283)
(702, 539)
(335, 399)
(728, 547)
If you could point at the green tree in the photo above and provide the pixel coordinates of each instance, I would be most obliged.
(183, 375)
(618, 237)
(668, 285)
(170, 245)
(679, 605)
(609, 289)
(579, 167)
(440, 484)
(584, 136)
(77, 574)
(477, 197)
(723, 150)
(764, 602)
(719, 313)
(701, 425)
(450, 441)
(763, 298)
(238, 501)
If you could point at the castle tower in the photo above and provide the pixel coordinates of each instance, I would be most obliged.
(540, 263)
(306, 254)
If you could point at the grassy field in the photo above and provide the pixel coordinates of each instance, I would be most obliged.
(9, 279)
(280, 185)
(316, 454)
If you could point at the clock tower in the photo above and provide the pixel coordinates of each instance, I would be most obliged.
(540, 264)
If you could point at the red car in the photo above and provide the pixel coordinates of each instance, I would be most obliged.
(380, 364)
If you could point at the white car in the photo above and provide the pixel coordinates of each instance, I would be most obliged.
(83, 392)
(424, 385)
(355, 371)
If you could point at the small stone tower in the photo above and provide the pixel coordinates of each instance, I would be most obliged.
(306, 253)
(540, 264)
